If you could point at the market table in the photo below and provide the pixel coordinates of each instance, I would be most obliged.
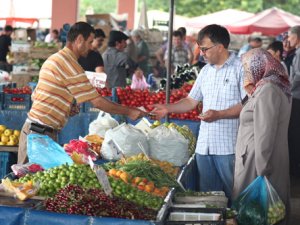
(8, 148)
(24, 216)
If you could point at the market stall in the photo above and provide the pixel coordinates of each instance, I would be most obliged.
(271, 21)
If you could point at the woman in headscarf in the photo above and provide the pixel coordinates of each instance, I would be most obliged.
(262, 143)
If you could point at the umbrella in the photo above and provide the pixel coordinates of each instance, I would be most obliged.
(271, 21)
(224, 18)
(143, 22)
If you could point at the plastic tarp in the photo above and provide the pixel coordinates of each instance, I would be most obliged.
(271, 21)
(223, 17)
(21, 216)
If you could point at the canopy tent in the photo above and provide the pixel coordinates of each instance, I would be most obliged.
(14, 21)
(19, 13)
(271, 21)
(223, 17)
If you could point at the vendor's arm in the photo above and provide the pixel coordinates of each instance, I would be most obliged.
(184, 105)
(265, 118)
(114, 108)
(213, 115)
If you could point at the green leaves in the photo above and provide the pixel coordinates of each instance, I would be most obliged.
(192, 8)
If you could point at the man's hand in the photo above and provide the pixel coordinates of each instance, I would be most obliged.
(135, 113)
(159, 111)
(210, 116)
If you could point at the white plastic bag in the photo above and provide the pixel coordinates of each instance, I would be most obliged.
(127, 137)
(167, 144)
(103, 123)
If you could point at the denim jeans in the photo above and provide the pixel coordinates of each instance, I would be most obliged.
(216, 172)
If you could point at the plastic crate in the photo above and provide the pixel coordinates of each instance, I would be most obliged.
(192, 215)
(7, 159)
(89, 108)
(18, 103)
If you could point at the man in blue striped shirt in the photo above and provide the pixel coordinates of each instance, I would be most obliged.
(220, 86)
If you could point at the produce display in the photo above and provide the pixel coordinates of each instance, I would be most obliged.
(8, 136)
(23, 190)
(145, 98)
(134, 194)
(81, 150)
(23, 90)
(167, 167)
(36, 64)
(104, 91)
(183, 130)
(182, 74)
(144, 171)
(93, 202)
(52, 180)
(42, 44)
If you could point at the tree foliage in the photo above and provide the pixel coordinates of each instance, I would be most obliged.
(193, 8)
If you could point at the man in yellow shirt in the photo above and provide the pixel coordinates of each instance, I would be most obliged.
(63, 84)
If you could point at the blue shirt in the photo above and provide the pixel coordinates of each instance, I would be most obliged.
(219, 89)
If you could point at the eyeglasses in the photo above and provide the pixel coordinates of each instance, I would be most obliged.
(203, 49)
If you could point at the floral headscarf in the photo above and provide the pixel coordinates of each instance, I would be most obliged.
(261, 67)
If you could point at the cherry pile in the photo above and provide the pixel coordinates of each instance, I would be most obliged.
(74, 199)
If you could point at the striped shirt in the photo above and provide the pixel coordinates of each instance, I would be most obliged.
(219, 89)
(62, 82)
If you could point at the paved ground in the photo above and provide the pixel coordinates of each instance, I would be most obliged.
(295, 201)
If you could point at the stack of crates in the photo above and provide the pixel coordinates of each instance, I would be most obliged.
(7, 159)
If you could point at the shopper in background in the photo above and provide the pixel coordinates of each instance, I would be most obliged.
(276, 50)
(130, 49)
(93, 61)
(116, 61)
(142, 51)
(161, 52)
(138, 80)
(220, 86)
(5, 43)
(253, 42)
(179, 55)
(294, 127)
(62, 85)
(262, 143)
(288, 53)
(52, 37)
(186, 45)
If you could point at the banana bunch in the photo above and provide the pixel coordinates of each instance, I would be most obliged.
(188, 134)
